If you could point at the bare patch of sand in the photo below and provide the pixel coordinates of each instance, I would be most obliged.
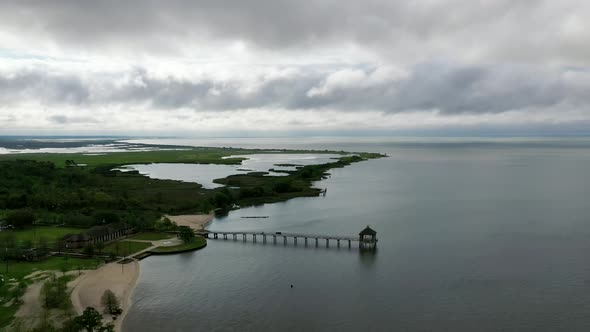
(119, 278)
(31, 311)
(194, 221)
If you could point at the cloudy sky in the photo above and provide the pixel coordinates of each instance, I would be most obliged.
(213, 67)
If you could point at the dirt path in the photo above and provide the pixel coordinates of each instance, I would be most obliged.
(31, 311)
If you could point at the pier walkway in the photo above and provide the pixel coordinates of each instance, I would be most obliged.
(263, 237)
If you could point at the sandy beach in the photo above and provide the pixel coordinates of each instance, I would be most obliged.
(88, 288)
(119, 278)
(195, 221)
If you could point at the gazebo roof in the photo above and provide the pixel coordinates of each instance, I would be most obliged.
(368, 231)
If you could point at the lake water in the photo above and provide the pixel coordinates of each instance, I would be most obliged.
(205, 174)
(474, 235)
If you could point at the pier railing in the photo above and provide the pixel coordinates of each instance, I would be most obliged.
(264, 236)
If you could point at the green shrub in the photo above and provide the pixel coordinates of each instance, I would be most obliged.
(20, 218)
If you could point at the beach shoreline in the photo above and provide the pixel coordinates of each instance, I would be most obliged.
(127, 300)
(121, 279)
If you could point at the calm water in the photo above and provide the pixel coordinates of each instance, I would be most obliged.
(491, 236)
(205, 174)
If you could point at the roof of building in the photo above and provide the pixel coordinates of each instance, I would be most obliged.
(77, 237)
(106, 229)
(368, 231)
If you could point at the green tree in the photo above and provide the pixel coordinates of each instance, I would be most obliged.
(71, 325)
(54, 293)
(20, 218)
(165, 225)
(105, 217)
(186, 234)
(111, 303)
(99, 246)
(91, 321)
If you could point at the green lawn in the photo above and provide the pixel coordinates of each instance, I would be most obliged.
(125, 248)
(198, 243)
(152, 236)
(36, 232)
(19, 270)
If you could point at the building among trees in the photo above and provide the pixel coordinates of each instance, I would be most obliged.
(97, 234)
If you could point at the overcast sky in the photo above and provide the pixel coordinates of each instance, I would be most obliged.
(213, 67)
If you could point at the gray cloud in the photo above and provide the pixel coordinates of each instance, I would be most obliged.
(64, 119)
(42, 86)
(501, 30)
(347, 63)
(447, 88)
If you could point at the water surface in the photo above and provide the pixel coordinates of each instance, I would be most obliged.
(472, 237)
(204, 174)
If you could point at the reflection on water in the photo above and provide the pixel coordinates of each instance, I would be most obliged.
(368, 258)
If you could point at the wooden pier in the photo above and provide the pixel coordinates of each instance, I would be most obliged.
(315, 239)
